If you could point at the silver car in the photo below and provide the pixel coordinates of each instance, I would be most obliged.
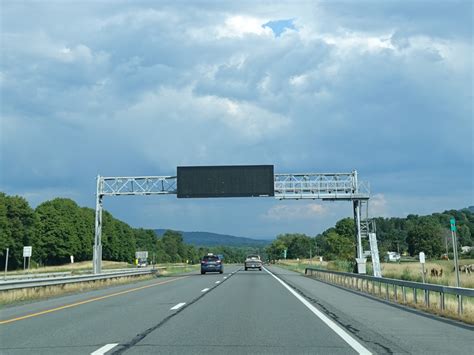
(253, 261)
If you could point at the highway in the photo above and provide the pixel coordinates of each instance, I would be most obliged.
(274, 311)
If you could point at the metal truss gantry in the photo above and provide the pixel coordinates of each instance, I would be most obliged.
(324, 186)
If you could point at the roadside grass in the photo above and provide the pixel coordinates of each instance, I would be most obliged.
(37, 293)
(74, 268)
(412, 272)
(173, 269)
(408, 272)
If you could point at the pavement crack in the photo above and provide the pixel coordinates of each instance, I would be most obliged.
(140, 336)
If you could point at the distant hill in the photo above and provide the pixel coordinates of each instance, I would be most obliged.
(471, 209)
(207, 239)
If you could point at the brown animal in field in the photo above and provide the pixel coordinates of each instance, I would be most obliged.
(436, 272)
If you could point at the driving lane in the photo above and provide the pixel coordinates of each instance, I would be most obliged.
(84, 322)
(251, 313)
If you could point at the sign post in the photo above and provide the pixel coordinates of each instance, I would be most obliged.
(422, 262)
(455, 250)
(27, 254)
(6, 265)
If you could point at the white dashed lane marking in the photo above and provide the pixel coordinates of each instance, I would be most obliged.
(104, 349)
(178, 306)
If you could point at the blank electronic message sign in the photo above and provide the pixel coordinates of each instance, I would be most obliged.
(225, 181)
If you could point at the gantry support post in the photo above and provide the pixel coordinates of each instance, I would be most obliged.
(97, 258)
(361, 261)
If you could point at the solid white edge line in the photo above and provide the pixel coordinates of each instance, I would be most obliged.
(104, 349)
(205, 290)
(179, 305)
(354, 344)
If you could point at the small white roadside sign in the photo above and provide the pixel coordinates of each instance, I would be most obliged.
(422, 257)
(27, 252)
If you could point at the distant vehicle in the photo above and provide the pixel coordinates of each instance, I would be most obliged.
(212, 263)
(142, 263)
(253, 261)
(392, 256)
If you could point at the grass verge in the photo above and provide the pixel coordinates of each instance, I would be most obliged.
(37, 293)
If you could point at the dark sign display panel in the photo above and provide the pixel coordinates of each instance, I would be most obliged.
(225, 181)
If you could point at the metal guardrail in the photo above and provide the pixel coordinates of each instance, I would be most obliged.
(37, 275)
(47, 281)
(373, 285)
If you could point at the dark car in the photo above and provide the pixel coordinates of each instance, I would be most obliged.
(212, 263)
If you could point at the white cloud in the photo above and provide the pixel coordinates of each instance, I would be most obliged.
(299, 211)
(239, 26)
(378, 206)
(135, 88)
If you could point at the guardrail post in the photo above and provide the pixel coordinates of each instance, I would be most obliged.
(441, 301)
(380, 288)
(386, 292)
(404, 291)
(428, 298)
(460, 308)
(414, 295)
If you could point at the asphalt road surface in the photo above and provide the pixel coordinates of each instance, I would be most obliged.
(273, 311)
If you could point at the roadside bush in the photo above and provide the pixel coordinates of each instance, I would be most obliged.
(341, 265)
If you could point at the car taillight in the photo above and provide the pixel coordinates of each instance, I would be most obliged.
(218, 261)
(203, 262)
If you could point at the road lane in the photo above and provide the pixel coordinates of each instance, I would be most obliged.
(384, 327)
(245, 313)
(250, 313)
(89, 326)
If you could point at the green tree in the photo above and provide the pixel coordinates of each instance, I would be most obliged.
(17, 221)
(56, 231)
(425, 234)
(339, 247)
(346, 228)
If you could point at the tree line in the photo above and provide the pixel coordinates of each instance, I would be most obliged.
(411, 235)
(60, 228)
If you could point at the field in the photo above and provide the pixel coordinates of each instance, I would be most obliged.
(411, 271)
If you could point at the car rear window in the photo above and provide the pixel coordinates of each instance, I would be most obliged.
(210, 258)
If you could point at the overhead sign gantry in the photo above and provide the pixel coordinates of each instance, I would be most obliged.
(245, 181)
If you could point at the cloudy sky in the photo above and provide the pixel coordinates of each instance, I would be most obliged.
(123, 88)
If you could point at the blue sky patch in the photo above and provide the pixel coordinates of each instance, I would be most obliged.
(279, 26)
